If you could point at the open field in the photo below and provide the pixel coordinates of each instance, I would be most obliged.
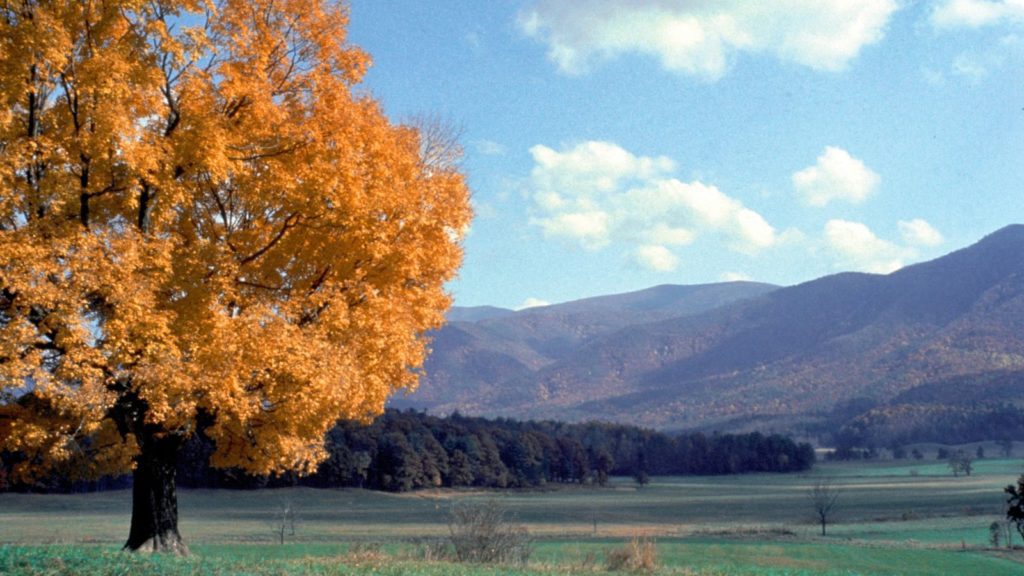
(891, 518)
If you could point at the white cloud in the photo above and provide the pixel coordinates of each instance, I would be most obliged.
(977, 64)
(735, 277)
(532, 303)
(656, 258)
(976, 13)
(858, 247)
(664, 234)
(703, 38)
(593, 166)
(695, 205)
(969, 66)
(835, 176)
(597, 193)
(489, 148)
(918, 232)
(590, 228)
(753, 232)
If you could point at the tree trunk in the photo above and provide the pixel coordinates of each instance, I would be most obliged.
(822, 525)
(154, 525)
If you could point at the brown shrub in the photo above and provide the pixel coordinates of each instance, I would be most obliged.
(638, 555)
(483, 533)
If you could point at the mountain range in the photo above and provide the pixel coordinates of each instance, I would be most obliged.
(741, 355)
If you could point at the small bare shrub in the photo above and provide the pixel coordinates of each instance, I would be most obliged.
(483, 533)
(585, 563)
(639, 555)
(995, 533)
(366, 552)
(431, 550)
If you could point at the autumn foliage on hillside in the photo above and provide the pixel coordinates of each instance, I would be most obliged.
(200, 216)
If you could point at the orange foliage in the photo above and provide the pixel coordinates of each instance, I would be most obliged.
(198, 214)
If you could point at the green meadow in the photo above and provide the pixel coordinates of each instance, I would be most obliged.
(890, 518)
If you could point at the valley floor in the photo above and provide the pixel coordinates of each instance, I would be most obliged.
(890, 518)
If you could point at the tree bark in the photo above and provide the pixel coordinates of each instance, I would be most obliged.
(154, 526)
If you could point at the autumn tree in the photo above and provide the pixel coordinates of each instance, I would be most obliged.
(204, 224)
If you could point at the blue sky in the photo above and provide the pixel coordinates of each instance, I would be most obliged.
(614, 145)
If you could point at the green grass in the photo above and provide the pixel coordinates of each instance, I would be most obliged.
(888, 521)
(682, 557)
(95, 561)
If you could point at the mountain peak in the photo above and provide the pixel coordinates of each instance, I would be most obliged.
(1014, 233)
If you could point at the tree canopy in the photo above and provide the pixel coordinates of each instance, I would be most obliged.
(1015, 505)
(202, 220)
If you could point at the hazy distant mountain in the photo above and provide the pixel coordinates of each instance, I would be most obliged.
(477, 313)
(481, 349)
(770, 356)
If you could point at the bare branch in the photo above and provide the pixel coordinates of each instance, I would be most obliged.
(440, 142)
(290, 222)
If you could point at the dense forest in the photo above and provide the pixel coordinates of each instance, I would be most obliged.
(406, 450)
(896, 426)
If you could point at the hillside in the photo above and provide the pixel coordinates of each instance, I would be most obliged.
(777, 358)
(482, 348)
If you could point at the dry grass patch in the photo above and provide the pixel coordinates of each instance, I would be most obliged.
(638, 555)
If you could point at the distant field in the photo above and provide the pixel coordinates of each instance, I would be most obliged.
(892, 518)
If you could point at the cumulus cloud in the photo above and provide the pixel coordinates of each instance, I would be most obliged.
(656, 258)
(835, 176)
(918, 232)
(858, 246)
(975, 13)
(532, 303)
(590, 228)
(593, 167)
(597, 193)
(703, 38)
(667, 235)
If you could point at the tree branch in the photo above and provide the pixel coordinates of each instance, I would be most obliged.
(290, 222)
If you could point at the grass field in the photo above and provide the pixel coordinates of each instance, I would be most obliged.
(891, 518)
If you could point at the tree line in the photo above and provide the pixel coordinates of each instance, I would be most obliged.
(894, 427)
(408, 450)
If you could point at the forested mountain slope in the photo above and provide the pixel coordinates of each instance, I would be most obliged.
(774, 357)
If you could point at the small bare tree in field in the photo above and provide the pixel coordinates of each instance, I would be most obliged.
(823, 496)
(284, 519)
